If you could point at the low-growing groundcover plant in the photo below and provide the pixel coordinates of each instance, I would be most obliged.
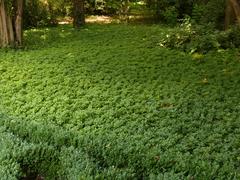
(107, 102)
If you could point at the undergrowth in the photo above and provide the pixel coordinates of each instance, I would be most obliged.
(200, 38)
(107, 102)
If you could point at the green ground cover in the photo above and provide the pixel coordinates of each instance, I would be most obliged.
(108, 102)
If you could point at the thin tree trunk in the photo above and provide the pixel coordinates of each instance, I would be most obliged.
(125, 10)
(227, 15)
(158, 9)
(1, 31)
(18, 22)
(10, 31)
(78, 13)
(4, 30)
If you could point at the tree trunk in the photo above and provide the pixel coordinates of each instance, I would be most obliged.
(78, 13)
(232, 12)
(6, 30)
(10, 31)
(124, 13)
(11, 25)
(228, 14)
(18, 22)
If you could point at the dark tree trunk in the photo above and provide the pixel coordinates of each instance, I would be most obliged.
(11, 25)
(18, 22)
(232, 12)
(78, 13)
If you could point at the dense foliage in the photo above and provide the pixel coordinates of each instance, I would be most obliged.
(191, 38)
(107, 102)
(41, 13)
(38, 13)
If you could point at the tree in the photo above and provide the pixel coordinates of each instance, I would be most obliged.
(11, 23)
(78, 13)
(232, 12)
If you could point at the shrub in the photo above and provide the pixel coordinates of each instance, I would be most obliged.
(211, 12)
(191, 38)
(201, 38)
(35, 14)
(39, 13)
(171, 15)
(230, 38)
(197, 13)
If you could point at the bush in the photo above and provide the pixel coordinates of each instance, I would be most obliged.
(35, 14)
(212, 12)
(201, 12)
(171, 15)
(190, 38)
(201, 38)
(197, 13)
(230, 38)
(39, 14)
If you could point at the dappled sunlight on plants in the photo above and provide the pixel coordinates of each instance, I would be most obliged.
(100, 19)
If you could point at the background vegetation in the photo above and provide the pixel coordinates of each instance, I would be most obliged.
(39, 12)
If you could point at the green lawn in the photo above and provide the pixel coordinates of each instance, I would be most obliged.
(107, 102)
